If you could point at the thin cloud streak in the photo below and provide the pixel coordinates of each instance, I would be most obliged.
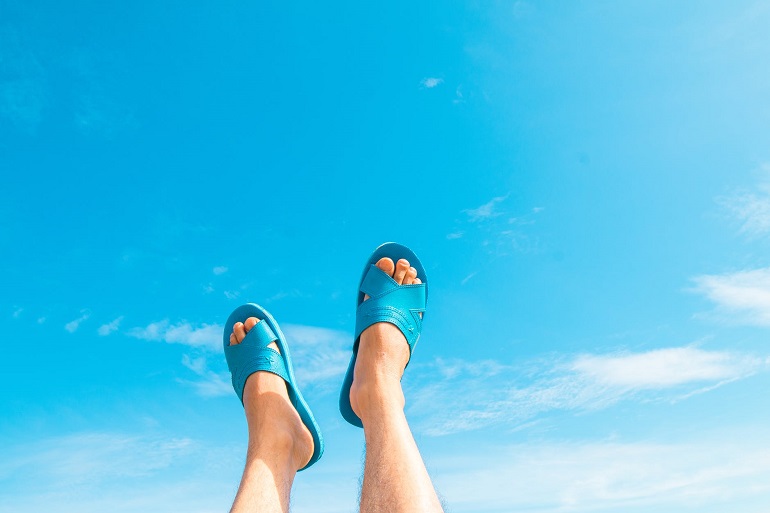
(90, 472)
(485, 393)
(93, 457)
(741, 297)
(751, 209)
(486, 211)
(210, 383)
(431, 82)
(319, 355)
(110, 327)
(660, 368)
(708, 473)
(73, 325)
(205, 336)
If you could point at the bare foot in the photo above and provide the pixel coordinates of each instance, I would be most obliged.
(382, 355)
(274, 424)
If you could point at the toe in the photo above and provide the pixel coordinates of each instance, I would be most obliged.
(411, 275)
(239, 332)
(233, 340)
(250, 323)
(402, 266)
(387, 265)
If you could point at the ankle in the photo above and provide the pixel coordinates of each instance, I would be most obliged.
(279, 443)
(377, 396)
(276, 431)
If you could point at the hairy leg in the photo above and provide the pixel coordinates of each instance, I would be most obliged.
(395, 478)
(279, 443)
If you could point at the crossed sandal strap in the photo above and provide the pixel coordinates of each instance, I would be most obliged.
(400, 305)
(245, 359)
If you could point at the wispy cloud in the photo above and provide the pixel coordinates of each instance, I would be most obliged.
(741, 297)
(73, 325)
(220, 269)
(118, 472)
(751, 208)
(204, 336)
(468, 278)
(494, 228)
(93, 457)
(106, 329)
(486, 211)
(320, 355)
(459, 98)
(708, 473)
(480, 394)
(661, 368)
(210, 383)
(431, 82)
(17, 312)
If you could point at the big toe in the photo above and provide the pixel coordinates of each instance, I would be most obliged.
(240, 329)
(387, 266)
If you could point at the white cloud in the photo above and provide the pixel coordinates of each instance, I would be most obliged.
(106, 329)
(431, 82)
(94, 472)
(662, 368)
(319, 355)
(205, 336)
(73, 325)
(468, 278)
(220, 269)
(458, 95)
(487, 393)
(705, 474)
(751, 209)
(742, 297)
(232, 294)
(212, 384)
(485, 211)
(496, 231)
(93, 457)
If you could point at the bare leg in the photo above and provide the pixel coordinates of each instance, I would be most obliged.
(395, 478)
(279, 443)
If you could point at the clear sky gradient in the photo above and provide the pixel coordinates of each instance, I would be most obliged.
(587, 184)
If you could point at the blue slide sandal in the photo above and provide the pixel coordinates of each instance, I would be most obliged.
(253, 355)
(400, 305)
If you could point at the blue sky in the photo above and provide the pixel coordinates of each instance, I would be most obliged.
(587, 183)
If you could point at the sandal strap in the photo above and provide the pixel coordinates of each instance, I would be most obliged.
(400, 305)
(252, 355)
